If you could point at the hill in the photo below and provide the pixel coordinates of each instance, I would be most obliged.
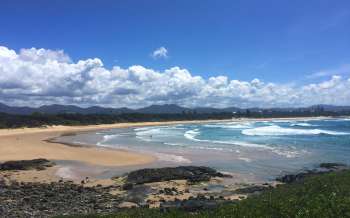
(163, 109)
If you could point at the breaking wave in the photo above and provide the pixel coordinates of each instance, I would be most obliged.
(147, 133)
(191, 135)
(105, 139)
(302, 124)
(277, 131)
(230, 125)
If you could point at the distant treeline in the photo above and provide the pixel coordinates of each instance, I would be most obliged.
(71, 119)
(37, 119)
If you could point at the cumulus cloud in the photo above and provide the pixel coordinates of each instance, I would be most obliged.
(161, 52)
(42, 76)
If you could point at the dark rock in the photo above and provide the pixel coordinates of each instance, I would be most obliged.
(289, 178)
(57, 198)
(138, 194)
(128, 186)
(332, 165)
(168, 191)
(38, 164)
(250, 189)
(190, 173)
(325, 167)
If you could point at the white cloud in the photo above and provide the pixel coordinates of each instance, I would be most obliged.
(342, 70)
(161, 52)
(41, 76)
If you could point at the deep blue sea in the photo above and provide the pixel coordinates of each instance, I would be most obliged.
(260, 149)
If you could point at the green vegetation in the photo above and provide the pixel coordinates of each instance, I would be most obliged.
(325, 195)
(71, 119)
(42, 119)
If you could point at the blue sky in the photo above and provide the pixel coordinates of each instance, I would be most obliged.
(278, 41)
(298, 42)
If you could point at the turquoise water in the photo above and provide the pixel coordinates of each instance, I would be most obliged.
(262, 149)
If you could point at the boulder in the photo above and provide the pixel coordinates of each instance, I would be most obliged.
(190, 173)
(325, 167)
(38, 164)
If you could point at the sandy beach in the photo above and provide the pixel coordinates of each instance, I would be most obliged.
(31, 143)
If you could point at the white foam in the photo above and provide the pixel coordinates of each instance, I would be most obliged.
(245, 159)
(282, 152)
(288, 153)
(229, 125)
(105, 139)
(78, 143)
(191, 134)
(147, 133)
(66, 173)
(277, 130)
(171, 158)
(200, 147)
(302, 124)
(282, 121)
(345, 119)
(251, 145)
(211, 148)
(175, 144)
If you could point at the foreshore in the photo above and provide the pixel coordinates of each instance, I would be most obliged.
(32, 143)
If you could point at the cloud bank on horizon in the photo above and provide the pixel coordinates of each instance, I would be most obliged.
(43, 76)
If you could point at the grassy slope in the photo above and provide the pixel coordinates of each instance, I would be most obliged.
(326, 195)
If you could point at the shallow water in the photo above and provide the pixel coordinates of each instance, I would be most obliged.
(260, 150)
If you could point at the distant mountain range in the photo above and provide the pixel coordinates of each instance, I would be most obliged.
(153, 109)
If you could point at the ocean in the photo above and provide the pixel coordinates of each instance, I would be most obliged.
(260, 150)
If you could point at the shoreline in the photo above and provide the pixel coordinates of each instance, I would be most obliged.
(88, 128)
(31, 143)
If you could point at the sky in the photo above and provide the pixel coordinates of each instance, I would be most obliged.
(132, 53)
